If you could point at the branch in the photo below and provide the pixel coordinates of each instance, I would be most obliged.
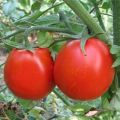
(107, 14)
(62, 98)
(37, 14)
(57, 41)
(43, 28)
(78, 8)
(98, 14)
(46, 28)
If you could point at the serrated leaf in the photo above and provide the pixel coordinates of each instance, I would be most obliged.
(116, 63)
(47, 20)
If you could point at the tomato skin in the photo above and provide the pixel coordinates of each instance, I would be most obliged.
(29, 75)
(84, 77)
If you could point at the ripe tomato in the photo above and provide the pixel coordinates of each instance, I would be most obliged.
(29, 75)
(84, 77)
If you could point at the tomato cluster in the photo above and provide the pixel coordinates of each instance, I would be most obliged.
(33, 75)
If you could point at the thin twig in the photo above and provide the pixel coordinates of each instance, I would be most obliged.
(37, 14)
(56, 42)
(107, 14)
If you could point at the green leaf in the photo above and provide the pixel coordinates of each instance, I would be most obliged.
(26, 104)
(35, 113)
(105, 103)
(2, 97)
(47, 20)
(106, 5)
(44, 39)
(24, 3)
(115, 102)
(12, 44)
(116, 63)
(80, 108)
(36, 6)
(1, 65)
(31, 118)
(52, 1)
(115, 49)
(11, 114)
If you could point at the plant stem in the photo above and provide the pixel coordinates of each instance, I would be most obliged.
(106, 14)
(98, 14)
(78, 8)
(62, 98)
(37, 14)
(44, 28)
(116, 25)
(50, 29)
(116, 21)
(57, 41)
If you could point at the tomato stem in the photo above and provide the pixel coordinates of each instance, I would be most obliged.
(78, 8)
(62, 98)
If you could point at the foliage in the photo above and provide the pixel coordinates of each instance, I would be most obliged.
(50, 23)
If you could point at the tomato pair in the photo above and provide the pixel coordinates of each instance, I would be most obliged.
(30, 75)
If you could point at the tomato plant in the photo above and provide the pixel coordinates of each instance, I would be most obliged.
(84, 76)
(29, 74)
(28, 23)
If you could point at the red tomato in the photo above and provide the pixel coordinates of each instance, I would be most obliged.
(29, 75)
(84, 77)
